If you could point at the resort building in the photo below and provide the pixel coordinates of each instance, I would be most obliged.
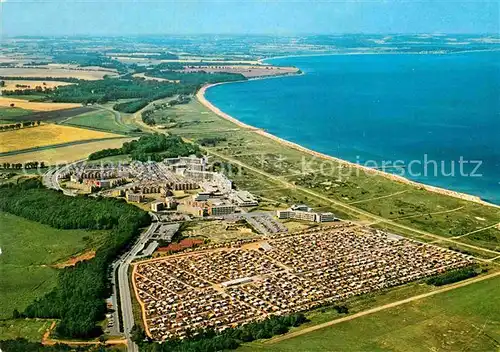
(134, 197)
(219, 208)
(157, 206)
(298, 212)
(243, 199)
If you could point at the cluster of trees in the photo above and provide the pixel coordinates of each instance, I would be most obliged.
(109, 89)
(148, 115)
(38, 90)
(23, 345)
(454, 276)
(84, 59)
(16, 126)
(154, 147)
(78, 299)
(131, 106)
(211, 141)
(210, 341)
(60, 79)
(26, 165)
(181, 99)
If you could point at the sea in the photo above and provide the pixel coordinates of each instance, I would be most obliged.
(433, 118)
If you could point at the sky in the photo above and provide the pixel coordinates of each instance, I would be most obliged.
(276, 17)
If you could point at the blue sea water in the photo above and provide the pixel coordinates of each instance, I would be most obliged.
(409, 107)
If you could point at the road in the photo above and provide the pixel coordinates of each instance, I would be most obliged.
(382, 307)
(51, 178)
(123, 264)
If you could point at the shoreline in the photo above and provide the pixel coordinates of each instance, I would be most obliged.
(263, 61)
(200, 96)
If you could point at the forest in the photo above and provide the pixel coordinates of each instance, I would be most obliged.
(78, 300)
(152, 147)
(110, 89)
(23, 345)
(454, 276)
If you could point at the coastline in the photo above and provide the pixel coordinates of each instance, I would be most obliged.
(437, 52)
(200, 96)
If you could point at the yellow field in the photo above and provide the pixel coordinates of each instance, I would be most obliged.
(36, 106)
(64, 155)
(56, 72)
(11, 85)
(46, 135)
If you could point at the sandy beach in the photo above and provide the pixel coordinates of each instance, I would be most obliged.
(200, 95)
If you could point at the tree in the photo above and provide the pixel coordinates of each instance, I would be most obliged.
(137, 333)
(16, 314)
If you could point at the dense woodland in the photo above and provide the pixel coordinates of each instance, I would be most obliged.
(152, 147)
(210, 341)
(454, 276)
(23, 345)
(110, 89)
(78, 300)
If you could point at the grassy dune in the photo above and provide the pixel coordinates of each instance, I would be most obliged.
(102, 120)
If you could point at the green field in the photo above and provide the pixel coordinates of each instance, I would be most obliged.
(12, 112)
(292, 176)
(104, 120)
(28, 250)
(30, 329)
(464, 319)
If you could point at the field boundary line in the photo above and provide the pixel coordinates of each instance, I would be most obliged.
(381, 308)
(381, 197)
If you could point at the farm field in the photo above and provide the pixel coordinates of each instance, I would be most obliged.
(35, 105)
(54, 115)
(30, 84)
(55, 71)
(465, 318)
(28, 251)
(101, 120)
(8, 112)
(63, 155)
(45, 135)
